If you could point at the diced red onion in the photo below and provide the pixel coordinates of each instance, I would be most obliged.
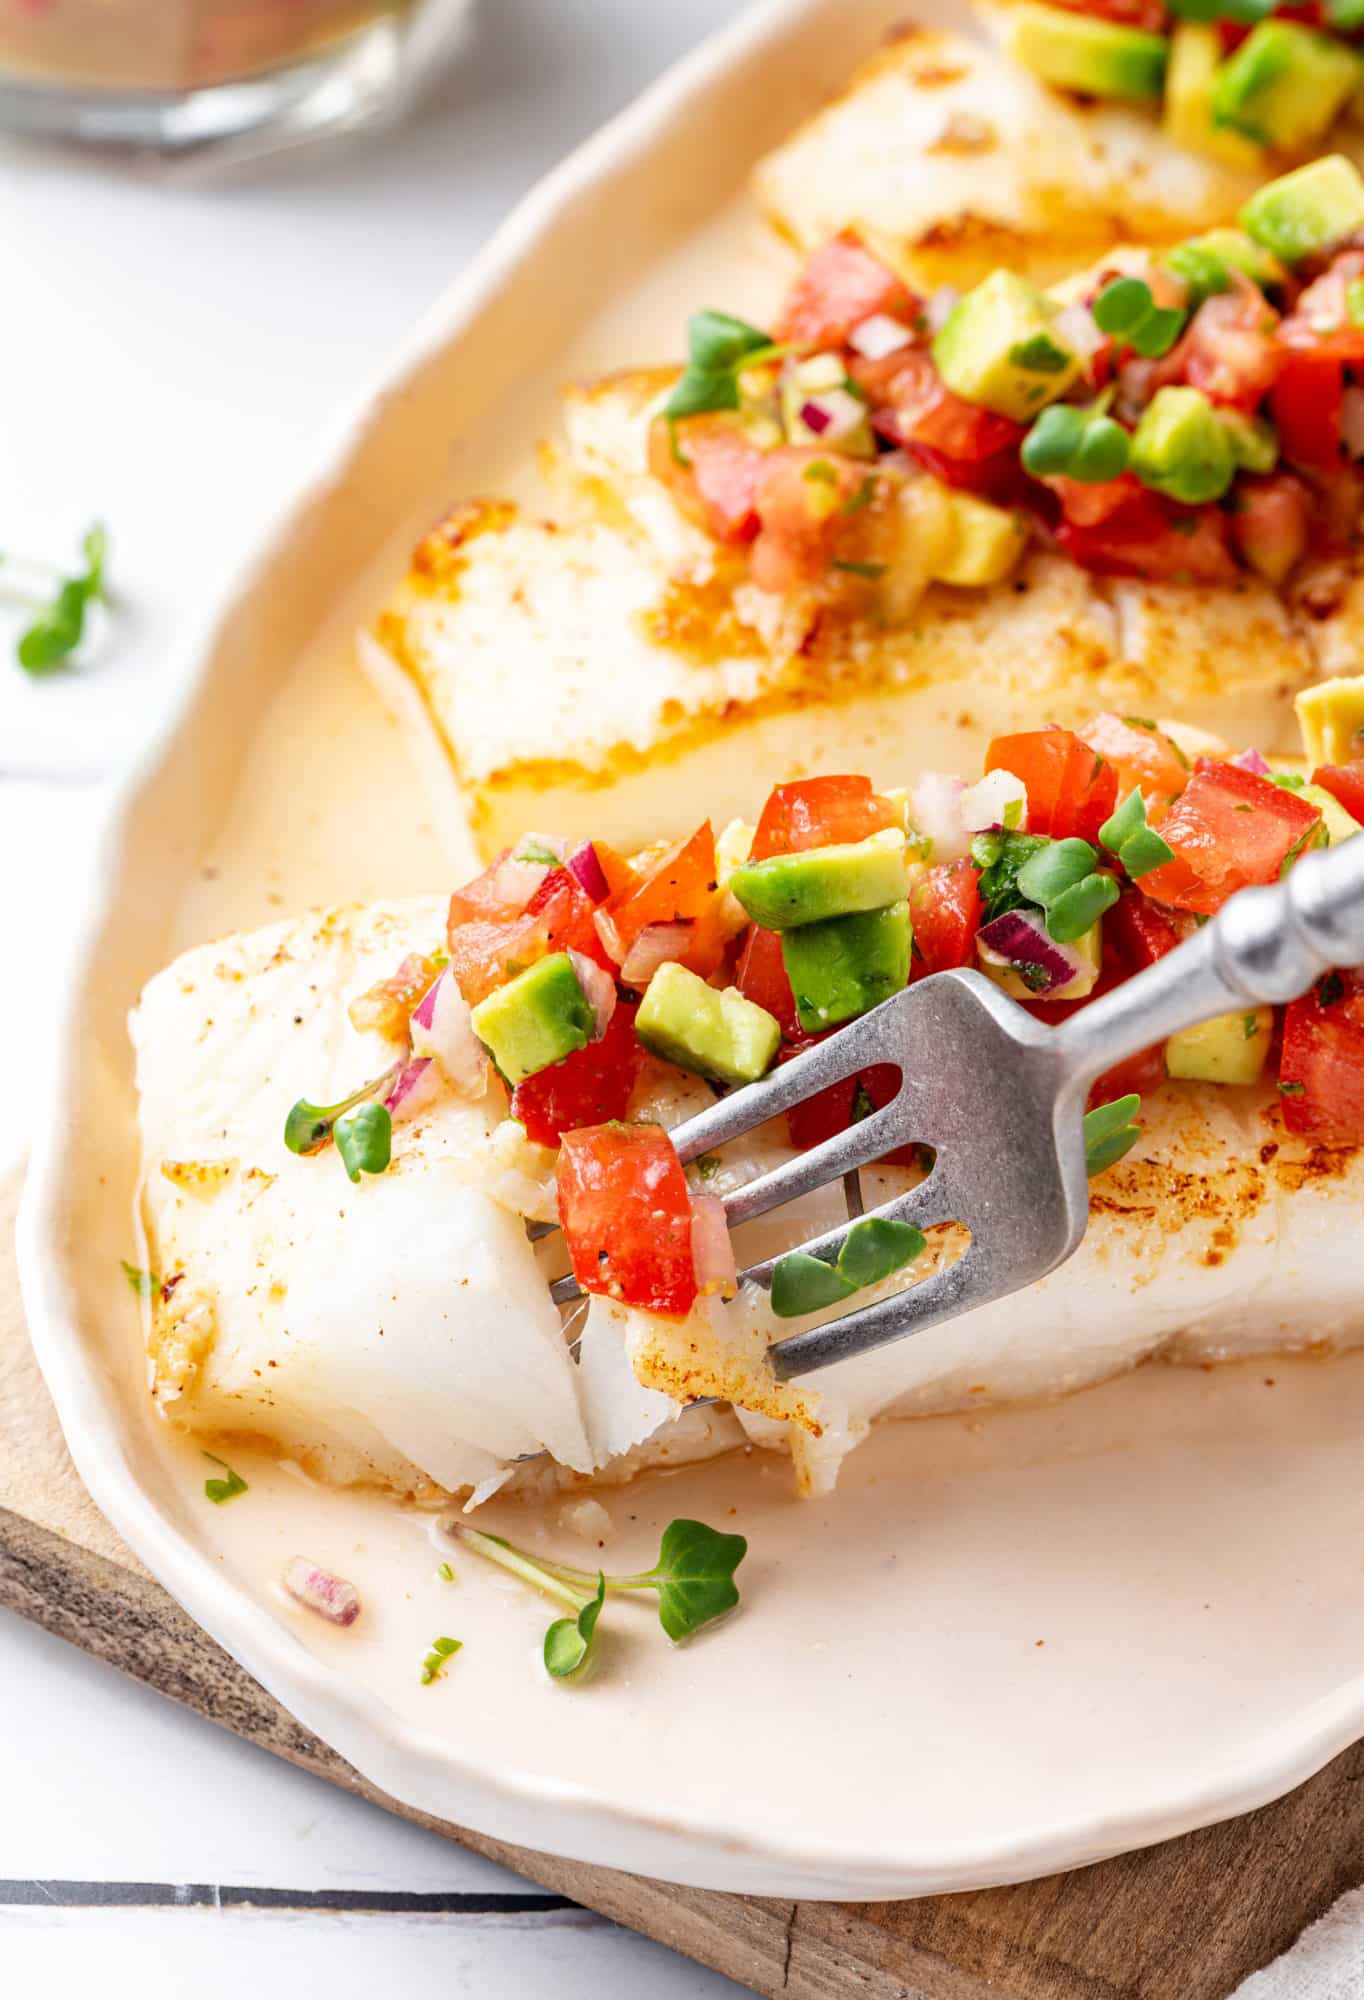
(833, 414)
(1251, 760)
(879, 336)
(419, 1084)
(935, 806)
(983, 805)
(1020, 937)
(1075, 326)
(1352, 420)
(712, 1252)
(599, 987)
(515, 882)
(586, 870)
(331, 1597)
(654, 946)
(938, 308)
(441, 1028)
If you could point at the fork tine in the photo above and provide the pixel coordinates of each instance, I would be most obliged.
(730, 1117)
(963, 1285)
(880, 1132)
(923, 1205)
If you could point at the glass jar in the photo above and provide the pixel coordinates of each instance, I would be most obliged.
(199, 77)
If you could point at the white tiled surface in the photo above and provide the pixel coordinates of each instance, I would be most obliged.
(168, 358)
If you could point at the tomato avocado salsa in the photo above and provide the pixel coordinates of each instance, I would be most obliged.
(1190, 414)
(1076, 859)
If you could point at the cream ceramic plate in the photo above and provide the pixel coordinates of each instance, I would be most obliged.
(1009, 1644)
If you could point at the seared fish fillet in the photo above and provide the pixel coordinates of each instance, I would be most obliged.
(398, 1332)
(949, 159)
(565, 664)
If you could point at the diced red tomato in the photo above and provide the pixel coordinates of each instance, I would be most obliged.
(1269, 523)
(760, 976)
(832, 1111)
(842, 285)
(1306, 403)
(1229, 351)
(1071, 789)
(487, 895)
(1142, 538)
(1321, 320)
(389, 1004)
(960, 442)
(486, 951)
(677, 886)
(590, 1087)
(1136, 933)
(1321, 1068)
(626, 1214)
(1140, 755)
(712, 469)
(801, 498)
(820, 812)
(944, 907)
(1228, 829)
(1087, 505)
(1345, 783)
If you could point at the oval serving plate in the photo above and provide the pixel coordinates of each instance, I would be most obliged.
(1008, 1644)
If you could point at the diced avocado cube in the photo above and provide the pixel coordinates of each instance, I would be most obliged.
(1340, 825)
(1254, 441)
(1195, 55)
(846, 965)
(998, 346)
(791, 889)
(1207, 263)
(1331, 718)
(1231, 1048)
(986, 544)
(1180, 447)
(1089, 949)
(720, 1035)
(1311, 209)
(1082, 52)
(1285, 86)
(536, 1019)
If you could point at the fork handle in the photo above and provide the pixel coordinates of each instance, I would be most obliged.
(1264, 946)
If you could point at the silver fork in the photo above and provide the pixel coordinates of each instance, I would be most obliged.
(999, 1099)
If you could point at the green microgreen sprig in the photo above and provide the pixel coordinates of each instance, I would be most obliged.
(1062, 879)
(1138, 846)
(218, 1490)
(873, 1248)
(363, 1130)
(59, 622)
(1126, 310)
(1110, 1133)
(1078, 441)
(694, 1579)
(719, 347)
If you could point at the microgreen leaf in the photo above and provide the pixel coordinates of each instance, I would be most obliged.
(1054, 868)
(218, 1490)
(364, 1139)
(1126, 310)
(144, 1283)
(308, 1127)
(694, 1576)
(877, 1245)
(1109, 1133)
(568, 1642)
(718, 346)
(1138, 846)
(804, 1284)
(59, 627)
(1077, 910)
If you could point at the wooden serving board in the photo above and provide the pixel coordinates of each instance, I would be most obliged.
(1184, 1921)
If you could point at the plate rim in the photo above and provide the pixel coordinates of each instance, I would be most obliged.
(413, 1767)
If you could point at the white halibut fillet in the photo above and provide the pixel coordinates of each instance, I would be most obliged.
(399, 1331)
